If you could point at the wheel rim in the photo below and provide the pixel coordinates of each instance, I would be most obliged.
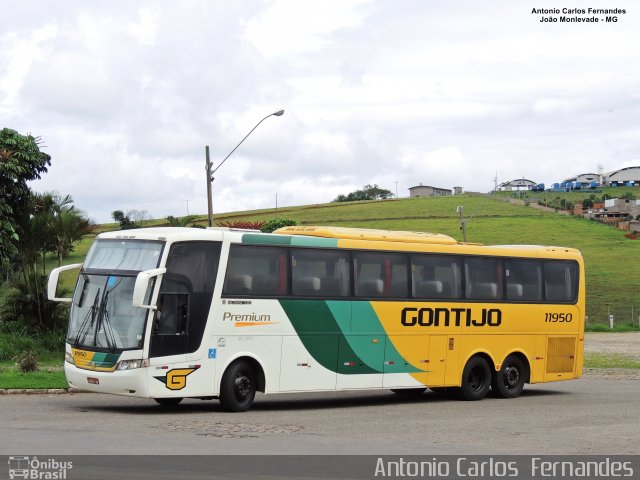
(511, 377)
(243, 386)
(476, 379)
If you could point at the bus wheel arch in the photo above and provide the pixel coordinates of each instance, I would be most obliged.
(514, 372)
(241, 379)
(476, 377)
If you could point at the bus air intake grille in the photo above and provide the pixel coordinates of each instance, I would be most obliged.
(561, 352)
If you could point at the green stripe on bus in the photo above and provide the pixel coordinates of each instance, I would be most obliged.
(288, 240)
(255, 239)
(364, 320)
(314, 242)
(321, 335)
(102, 359)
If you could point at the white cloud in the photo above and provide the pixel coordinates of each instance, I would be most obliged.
(127, 96)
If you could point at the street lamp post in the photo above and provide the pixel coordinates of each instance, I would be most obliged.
(210, 172)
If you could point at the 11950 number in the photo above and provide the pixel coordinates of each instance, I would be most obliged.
(558, 317)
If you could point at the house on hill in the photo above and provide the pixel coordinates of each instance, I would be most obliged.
(517, 184)
(427, 191)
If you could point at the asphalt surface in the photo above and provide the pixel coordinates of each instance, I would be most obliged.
(585, 416)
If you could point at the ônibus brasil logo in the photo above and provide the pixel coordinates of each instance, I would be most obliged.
(35, 468)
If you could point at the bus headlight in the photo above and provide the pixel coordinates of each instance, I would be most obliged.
(131, 364)
(69, 358)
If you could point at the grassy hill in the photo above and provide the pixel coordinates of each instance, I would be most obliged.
(612, 261)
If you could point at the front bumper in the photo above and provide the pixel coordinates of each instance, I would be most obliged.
(132, 383)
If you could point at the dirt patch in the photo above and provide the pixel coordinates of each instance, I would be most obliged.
(627, 344)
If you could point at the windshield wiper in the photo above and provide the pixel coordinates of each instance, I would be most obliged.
(97, 320)
(88, 322)
(105, 324)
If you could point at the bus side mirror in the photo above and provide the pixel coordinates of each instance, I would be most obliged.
(142, 285)
(52, 284)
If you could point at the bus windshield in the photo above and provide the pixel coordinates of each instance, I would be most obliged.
(102, 313)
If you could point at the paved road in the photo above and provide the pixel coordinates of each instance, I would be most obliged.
(590, 415)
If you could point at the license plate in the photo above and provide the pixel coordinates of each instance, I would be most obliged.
(93, 381)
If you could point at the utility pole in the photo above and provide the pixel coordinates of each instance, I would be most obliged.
(210, 172)
(209, 182)
(396, 189)
(463, 225)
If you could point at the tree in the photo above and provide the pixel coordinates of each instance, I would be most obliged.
(180, 221)
(276, 223)
(20, 161)
(131, 219)
(628, 196)
(46, 222)
(67, 225)
(368, 192)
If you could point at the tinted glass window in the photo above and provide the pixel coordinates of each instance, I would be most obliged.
(124, 255)
(483, 278)
(185, 297)
(321, 273)
(256, 271)
(524, 280)
(381, 275)
(560, 281)
(435, 276)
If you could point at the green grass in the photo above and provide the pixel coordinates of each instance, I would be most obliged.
(611, 260)
(609, 360)
(619, 328)
(50, 374)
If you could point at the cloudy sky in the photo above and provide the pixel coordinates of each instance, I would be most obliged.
(126, 94)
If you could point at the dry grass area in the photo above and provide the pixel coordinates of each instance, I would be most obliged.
(604, 349)
(627, 344)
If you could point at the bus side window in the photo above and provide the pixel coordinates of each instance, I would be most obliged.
(379, 275)
(524, 280)
(435, 276)
(560, 281)
(322, 273)
(256, 271)
(483, 278)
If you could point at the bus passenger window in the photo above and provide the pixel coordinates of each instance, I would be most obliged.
(320, 273)
(435, 276)
(256, 271)
(483, 278)
(379, 275)
(524, 280)
(560, 281)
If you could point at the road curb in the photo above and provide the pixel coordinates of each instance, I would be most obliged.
(38, 391)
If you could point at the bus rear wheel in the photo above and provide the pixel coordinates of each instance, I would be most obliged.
(509, 381)
(476, 379)
(168, 402)
(238, 387)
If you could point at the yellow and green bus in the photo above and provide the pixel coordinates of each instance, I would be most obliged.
(173, 313)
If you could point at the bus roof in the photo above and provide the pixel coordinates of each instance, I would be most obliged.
(368, 234)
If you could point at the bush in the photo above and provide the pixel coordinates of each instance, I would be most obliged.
(246, 224)
(27, 361)
(276, 223)
(20, 306)
(16, 338)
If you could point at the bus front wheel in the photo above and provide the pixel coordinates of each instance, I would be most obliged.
(476, 379)
(509, 381)
(238, 387)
